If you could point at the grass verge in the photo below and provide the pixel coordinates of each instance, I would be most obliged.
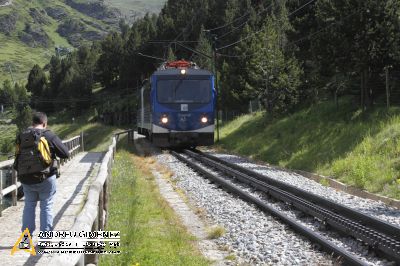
(150, 232)
(359, 148)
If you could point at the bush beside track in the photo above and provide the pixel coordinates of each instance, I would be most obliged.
(358, 148)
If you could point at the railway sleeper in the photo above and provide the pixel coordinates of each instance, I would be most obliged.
(362, 218)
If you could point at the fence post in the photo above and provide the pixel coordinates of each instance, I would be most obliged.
(1, 192)
(93, 258)
(82, 146)
(105, 199)
(101, 210)
(15, 192)
(387, 87)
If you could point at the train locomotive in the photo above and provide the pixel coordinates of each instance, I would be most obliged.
(177, 106)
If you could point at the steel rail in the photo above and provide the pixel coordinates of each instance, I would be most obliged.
(379, 241)
(365, 219)
(343, 256)
(362, 218)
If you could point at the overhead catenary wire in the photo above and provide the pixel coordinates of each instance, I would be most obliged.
(244, 23)
(169, 41)
(239, 41)
(237, 19)
(255, 33)
(228, 24)
(300, 8)
(296, 41)
(323, 29)
(152, 57)
(184, 30)
(93, 99)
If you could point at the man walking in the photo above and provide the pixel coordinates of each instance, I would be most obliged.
(36, 165)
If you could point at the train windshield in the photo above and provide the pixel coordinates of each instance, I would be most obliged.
(183, 91)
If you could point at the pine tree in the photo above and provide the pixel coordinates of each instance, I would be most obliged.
(205, 47)
(8, 96)
(21, 93)
(275, 75)
(37, 81)
(358, 36)
(23, 118)
(109, 62)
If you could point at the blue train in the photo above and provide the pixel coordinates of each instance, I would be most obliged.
(177, 106)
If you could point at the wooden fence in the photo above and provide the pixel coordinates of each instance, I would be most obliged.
(93, 216)
(74, 145)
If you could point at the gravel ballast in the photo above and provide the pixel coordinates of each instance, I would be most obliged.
(253, 236)
(371, 207)
(256, 237)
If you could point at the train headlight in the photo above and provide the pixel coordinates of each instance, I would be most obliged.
(204, 120)
(164, 120)
(183, 71)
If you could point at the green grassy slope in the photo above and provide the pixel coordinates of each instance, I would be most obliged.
(360, 149)
(21, 56)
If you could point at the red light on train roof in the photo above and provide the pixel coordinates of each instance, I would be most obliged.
(179, 64)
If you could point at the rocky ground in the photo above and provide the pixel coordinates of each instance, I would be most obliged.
(5, 2)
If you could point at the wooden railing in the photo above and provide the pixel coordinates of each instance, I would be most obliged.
(74, 145)
(6, 169)
(94, 214)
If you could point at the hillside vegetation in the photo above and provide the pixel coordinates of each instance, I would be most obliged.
(360, 149)
(30, 30)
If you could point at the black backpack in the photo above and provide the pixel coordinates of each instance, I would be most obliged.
(32, 156)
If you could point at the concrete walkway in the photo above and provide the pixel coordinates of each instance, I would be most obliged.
(72, 186)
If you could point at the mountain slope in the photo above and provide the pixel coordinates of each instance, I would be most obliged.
(132, 9)
(31, 30)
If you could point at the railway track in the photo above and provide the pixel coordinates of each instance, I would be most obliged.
(380, 236)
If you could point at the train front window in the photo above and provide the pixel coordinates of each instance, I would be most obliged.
(183, 91)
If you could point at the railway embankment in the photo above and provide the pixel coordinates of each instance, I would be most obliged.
(357, 148)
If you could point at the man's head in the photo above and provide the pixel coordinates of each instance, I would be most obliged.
(39, 120)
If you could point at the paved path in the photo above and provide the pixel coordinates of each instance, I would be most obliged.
(72, 186)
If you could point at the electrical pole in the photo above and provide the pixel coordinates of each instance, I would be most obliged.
(265, 72)
(10, 71)
(387, 87)
(214, 64)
